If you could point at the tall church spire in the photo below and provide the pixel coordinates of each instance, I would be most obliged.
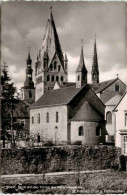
(81, 72)
(95, 70)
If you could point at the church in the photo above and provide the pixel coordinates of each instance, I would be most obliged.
(65, 112)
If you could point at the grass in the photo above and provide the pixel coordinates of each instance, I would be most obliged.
(108, 182)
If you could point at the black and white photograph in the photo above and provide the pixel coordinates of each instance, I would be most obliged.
(63, 97)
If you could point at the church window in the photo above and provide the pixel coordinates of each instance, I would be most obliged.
(47, 117)
(117, 87)
(57, 78)
(38, 118)
(80, 131)
(61, 78)
(55, 63)
(32, 120)
(51, 67)
(78, 78)
(59, 68)
(109, 117)
(48, 78)
(52, 78)
(57, 117)
(98, 131)
(30, 94)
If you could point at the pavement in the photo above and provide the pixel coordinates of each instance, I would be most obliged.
(52, 174)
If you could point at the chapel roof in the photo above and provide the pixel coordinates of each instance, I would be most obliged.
(114, 100)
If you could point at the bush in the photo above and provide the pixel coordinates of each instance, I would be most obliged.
(49, 143)
(77, 143)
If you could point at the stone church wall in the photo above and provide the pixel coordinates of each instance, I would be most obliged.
(62, 158)
(48, 131)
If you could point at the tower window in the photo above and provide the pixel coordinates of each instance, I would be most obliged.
(29, 75)
(30, 94)
(109, 117)
(38, 118)
(61, 78)
(57, 117)
(57, 78)
(32, 120)
(48, 78)
(78, 78)
(55, 63)
(117, 87)
(59, 68)
(80, 131)
(47, 117)
(98, 131)
(52, 78)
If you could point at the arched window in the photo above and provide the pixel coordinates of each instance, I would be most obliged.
(57, 78)
(78, 78)
(57, 117)
(59, 68)
(47, 117)
(48, 78)
(51, 67)
(30, 94)
(55, 63)
(38, 118)
(98, 131)
(61, 78)
(109, 117)
(117, 87)
(32, 120)
(80, 131)
(52, 78)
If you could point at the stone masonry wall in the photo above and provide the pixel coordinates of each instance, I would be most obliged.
(62, 158)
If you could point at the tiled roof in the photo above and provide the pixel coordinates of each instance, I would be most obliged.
(57, 97)
(114, 100)
(101, 86)
(88, 113)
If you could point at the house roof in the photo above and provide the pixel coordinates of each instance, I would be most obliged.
(57, 97)
(87, 112)
(114, 100)
(99, 87)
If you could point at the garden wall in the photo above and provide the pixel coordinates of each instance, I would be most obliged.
(62, 158)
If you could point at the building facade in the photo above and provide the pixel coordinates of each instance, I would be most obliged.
(120, 115)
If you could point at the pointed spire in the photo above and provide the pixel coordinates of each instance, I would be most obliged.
(29, 61)
(95, 70)
(81, 66)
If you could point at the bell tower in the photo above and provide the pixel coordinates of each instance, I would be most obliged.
(95, 70)
(28, 90)
(81, 72)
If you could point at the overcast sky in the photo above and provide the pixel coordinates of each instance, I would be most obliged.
(23, 24)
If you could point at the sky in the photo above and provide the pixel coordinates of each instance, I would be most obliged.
(23, 25)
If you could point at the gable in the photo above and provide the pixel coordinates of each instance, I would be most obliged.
(87, 113)
(55, 63)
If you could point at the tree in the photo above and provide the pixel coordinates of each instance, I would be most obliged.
(7, 97)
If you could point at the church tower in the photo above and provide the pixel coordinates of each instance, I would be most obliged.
(81, 72)
(95, 70)
(28, 90)
(50, 66)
